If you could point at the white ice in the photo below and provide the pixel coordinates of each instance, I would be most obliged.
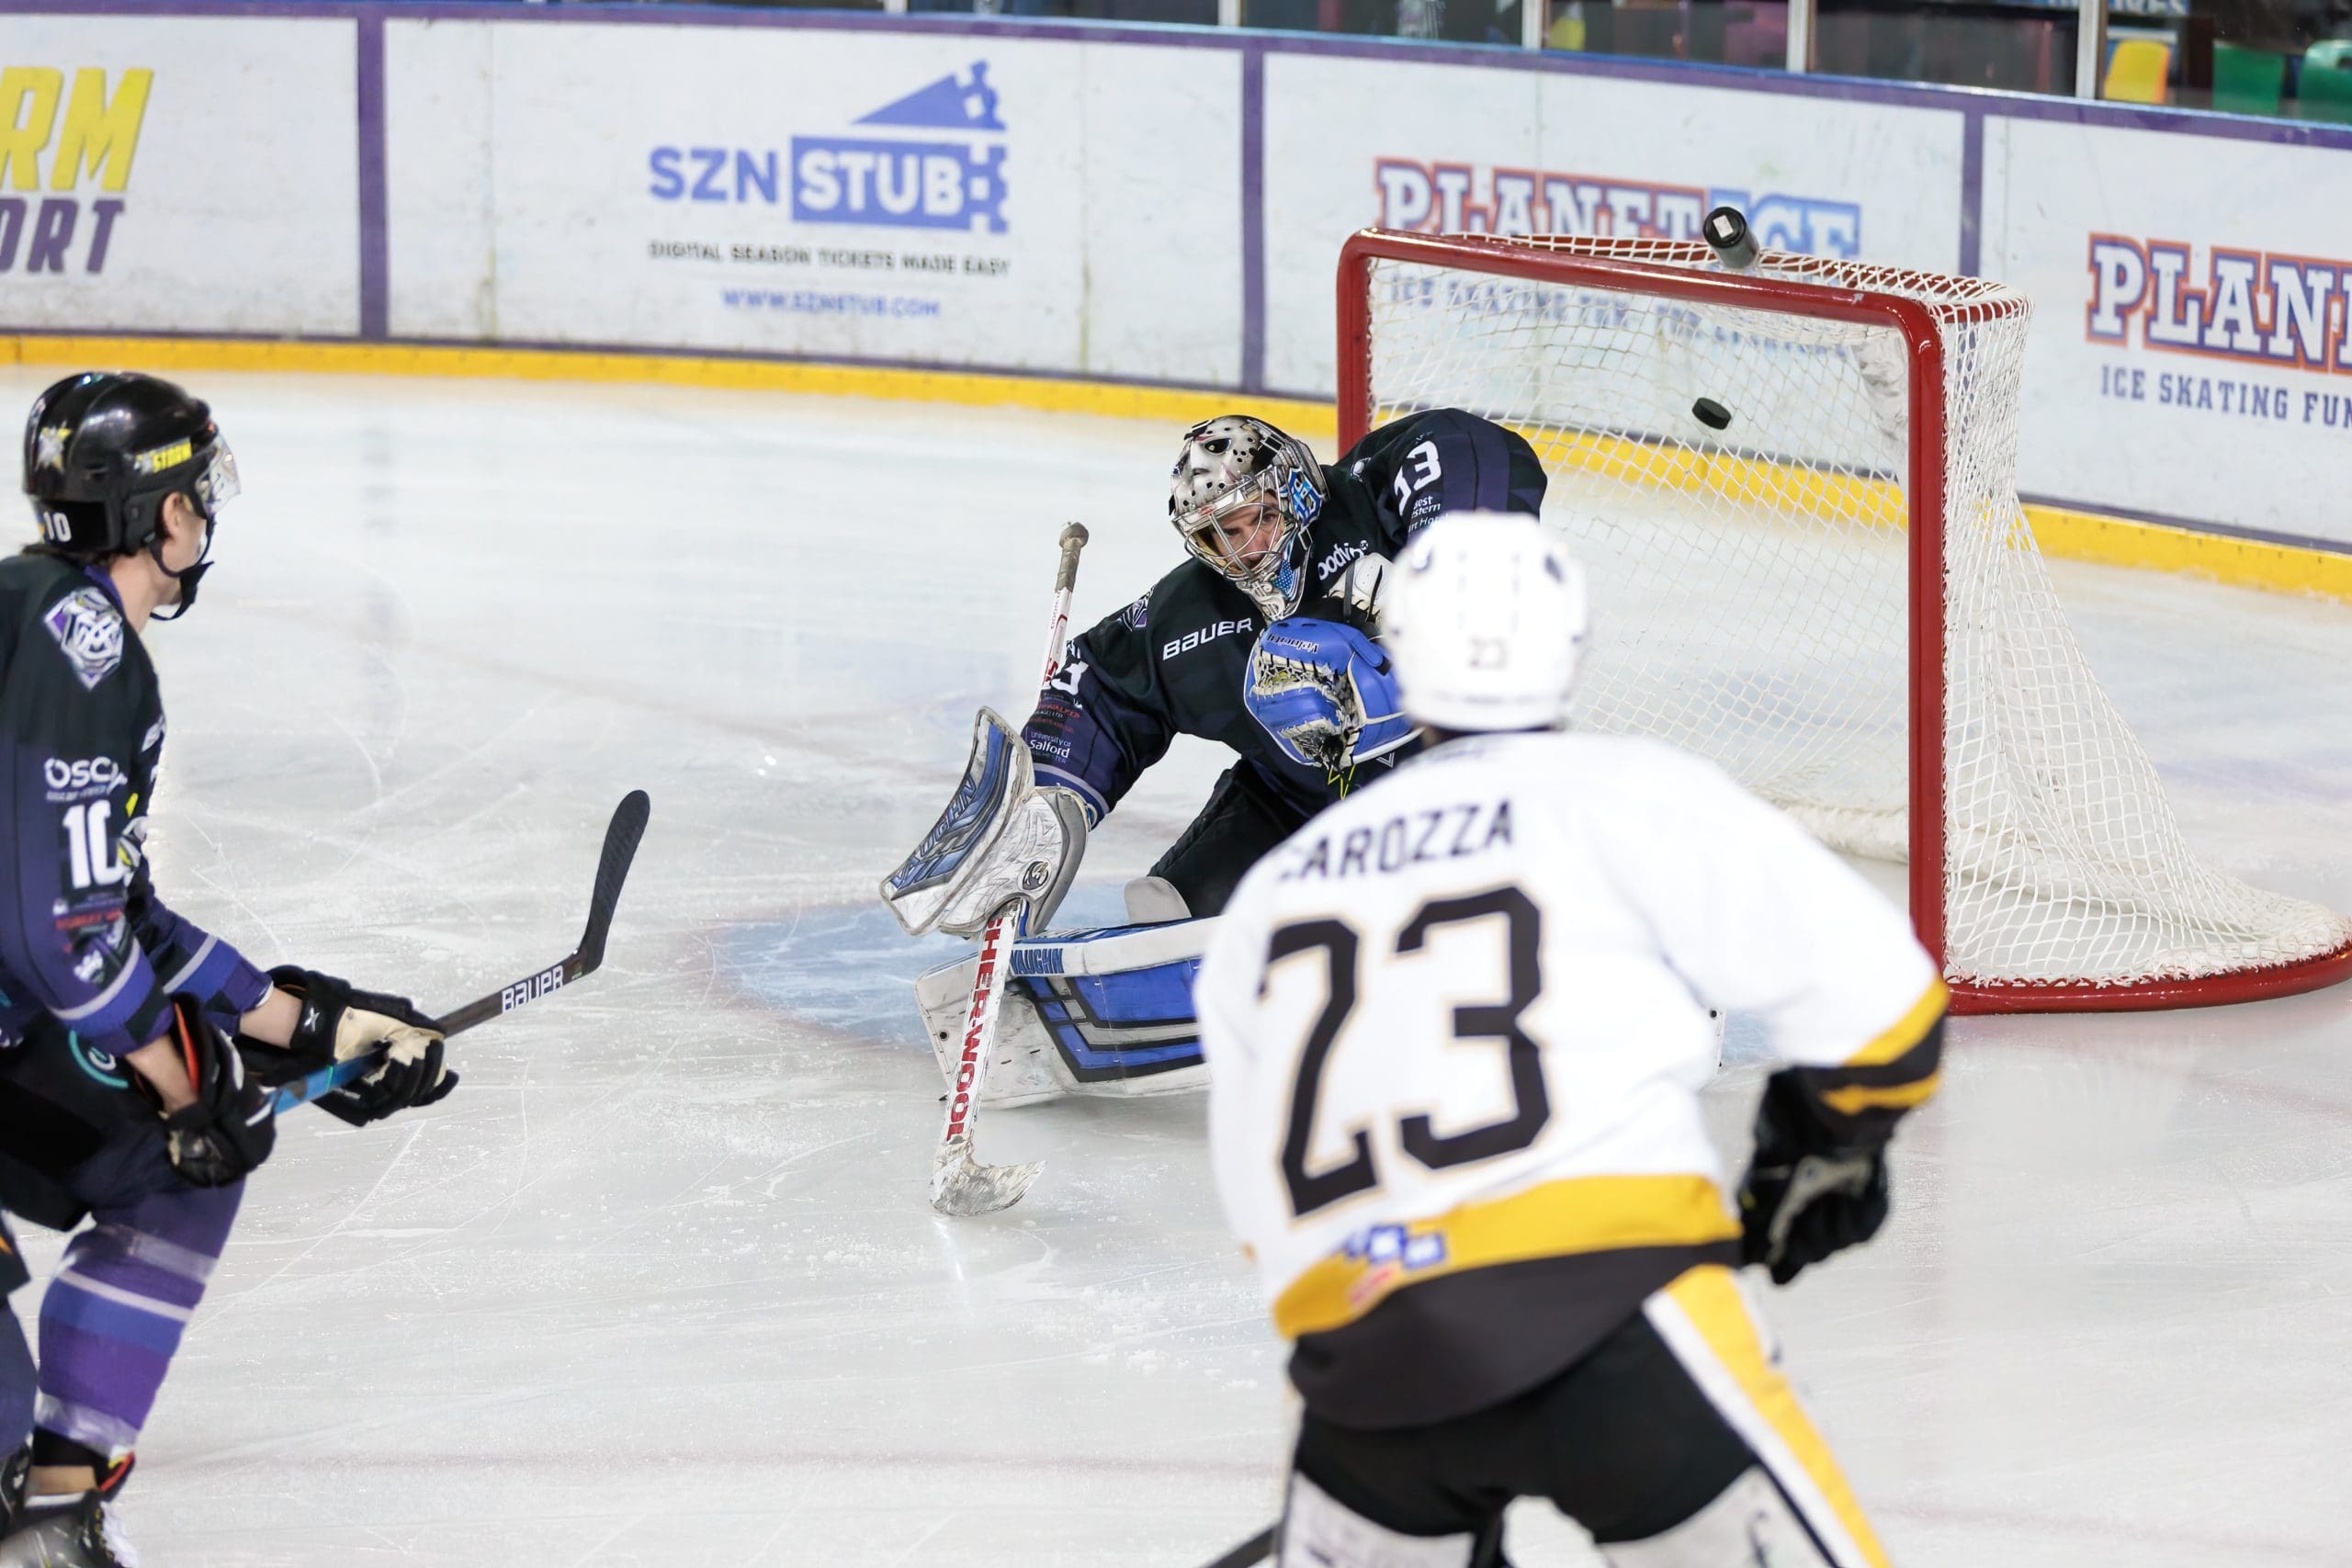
(659, 1285)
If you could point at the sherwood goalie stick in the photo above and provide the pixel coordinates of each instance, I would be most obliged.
(612, 868)
(960, 1184)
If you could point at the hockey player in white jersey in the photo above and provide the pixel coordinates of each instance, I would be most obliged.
(1457, 1028)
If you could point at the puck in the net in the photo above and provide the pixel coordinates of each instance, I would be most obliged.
(1711, 414)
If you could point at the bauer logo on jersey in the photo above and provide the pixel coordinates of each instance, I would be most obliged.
(894, 180)
(88, 631)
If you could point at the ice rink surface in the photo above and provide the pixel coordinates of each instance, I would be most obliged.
(659, 1284)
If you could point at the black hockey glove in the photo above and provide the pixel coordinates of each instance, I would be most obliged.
(340, 1021)
(1804, 1198)
(231, 1127)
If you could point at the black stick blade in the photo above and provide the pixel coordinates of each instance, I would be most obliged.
(612, 869)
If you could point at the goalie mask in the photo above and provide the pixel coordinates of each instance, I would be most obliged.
(1242, 497)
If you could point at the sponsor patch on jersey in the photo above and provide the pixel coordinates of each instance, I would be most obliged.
(71, 776)
(88, 631)
(1341, 554)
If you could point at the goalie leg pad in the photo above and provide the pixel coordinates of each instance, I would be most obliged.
(1320, 1531)
(1096, 1012)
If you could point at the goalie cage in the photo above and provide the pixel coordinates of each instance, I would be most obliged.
(1835, 596)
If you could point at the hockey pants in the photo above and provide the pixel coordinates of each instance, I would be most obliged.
(113, 1315)
(1637, 1440)
(1243, 820)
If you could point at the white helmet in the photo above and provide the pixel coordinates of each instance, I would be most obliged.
(1235, 461)
(1484, 616)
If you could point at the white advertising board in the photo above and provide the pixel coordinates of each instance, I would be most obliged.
(1451, 148)
(951, 201)
(179, 174)
(2190, 356)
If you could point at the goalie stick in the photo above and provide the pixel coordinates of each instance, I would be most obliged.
(960, 1184)
(612, 868)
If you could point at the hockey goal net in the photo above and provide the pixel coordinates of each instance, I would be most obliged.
(1836, 595)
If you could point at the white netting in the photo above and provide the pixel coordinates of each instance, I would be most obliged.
(1749, 590)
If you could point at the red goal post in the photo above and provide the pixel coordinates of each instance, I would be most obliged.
(1858, 319)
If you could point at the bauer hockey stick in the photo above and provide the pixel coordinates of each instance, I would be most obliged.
(612, 868)
(960, 1184)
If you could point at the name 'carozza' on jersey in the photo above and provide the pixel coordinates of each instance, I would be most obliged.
(1173, 662)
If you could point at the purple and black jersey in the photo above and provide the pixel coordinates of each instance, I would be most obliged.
(1174, 661)
(84, 942)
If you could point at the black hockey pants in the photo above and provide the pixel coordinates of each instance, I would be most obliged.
(1244, 819)
(1625, 1442)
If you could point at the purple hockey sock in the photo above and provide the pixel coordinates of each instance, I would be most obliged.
(114, 1314)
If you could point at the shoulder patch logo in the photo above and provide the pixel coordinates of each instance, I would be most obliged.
(1136, 614)
(89, 632)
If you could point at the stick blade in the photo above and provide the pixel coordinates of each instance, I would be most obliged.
(963, 1187)
(621, 838)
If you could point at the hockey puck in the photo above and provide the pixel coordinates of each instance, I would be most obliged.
(1711, 414)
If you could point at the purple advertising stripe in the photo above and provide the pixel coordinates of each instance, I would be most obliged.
(1972, 194)
(375, 240)
(1253, 219)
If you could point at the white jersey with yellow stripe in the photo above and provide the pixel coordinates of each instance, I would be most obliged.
(1459, 1023)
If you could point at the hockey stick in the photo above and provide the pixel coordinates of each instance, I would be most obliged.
(960, 1184)
(612, 868)
(1257, 1549)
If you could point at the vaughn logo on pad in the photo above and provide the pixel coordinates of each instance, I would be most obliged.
(953, 179)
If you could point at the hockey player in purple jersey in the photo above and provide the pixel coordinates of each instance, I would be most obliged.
(123, 1096)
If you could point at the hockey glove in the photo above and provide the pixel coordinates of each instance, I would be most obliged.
(1803, 1198)
(1326, 692)
(231, 1128)
(339, 1023)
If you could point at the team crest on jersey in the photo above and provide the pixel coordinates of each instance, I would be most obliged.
(88, 631)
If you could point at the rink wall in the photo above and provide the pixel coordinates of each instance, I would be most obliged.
(1125, 219)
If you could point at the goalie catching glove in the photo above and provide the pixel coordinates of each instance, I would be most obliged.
(340, 1022)
(1326, 692)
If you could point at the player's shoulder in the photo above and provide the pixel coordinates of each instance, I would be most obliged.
(53, 605)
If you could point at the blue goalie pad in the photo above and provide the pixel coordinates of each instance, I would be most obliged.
(1107, 1011)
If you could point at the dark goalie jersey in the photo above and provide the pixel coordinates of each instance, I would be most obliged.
(89, 954)
(1173, 662)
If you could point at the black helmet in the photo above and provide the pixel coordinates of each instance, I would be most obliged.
(103, 448)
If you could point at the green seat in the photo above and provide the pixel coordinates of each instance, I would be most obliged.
(2325, 87)
(2247, 81)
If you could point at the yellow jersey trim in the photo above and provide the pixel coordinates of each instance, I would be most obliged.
(1855, 1098)
(1905, 1032)
(1585, 1213)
